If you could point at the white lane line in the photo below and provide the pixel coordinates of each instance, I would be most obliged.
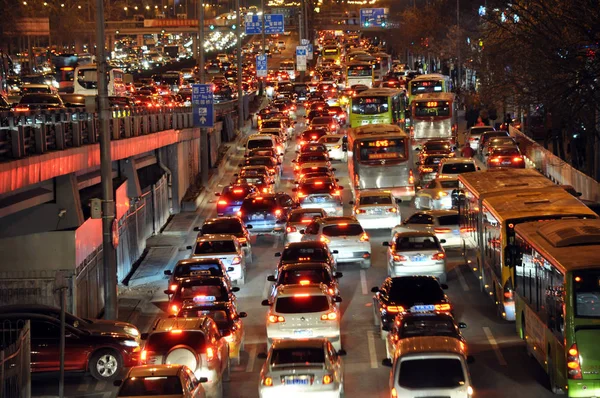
(494, 344)
(363, 281)
(100, 386)
(83, 387)
(251, 358)
(372, 352)
(461, 279)
(276, 242)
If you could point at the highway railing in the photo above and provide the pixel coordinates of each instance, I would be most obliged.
(25, 134)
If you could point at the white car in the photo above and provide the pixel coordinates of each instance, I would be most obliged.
(436, 194)
(334, 143)
(297, 220)
(416, 253)
(304, 311)
(302, 368)
(176, 381)
(376, 209)
(226, 248)
(453, 167)
(474, 133)
(443, 223)
(344, 236)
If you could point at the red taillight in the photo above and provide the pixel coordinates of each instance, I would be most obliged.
(411, 177)
(331, 316)
(391, 210)
(278, 212)
(173, 287)
(495, 160)
(359, 211)
(290, 229)
(222, 202)
(210, 353)
(236, 260)
(443, 307)
(466, 229)
(517, 159)
(239, 213)
(399, 257)
(174, 309)
(441, 230)
(324, 239)
(21, 109)
(394, 308)
(144, 356)
(438, 256)
(573, 363)
(364, 237)
(275, 318)
(301, 194)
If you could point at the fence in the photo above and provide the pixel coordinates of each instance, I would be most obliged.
(15, 359)
(555, 168)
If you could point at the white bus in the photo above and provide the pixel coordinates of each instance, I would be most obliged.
(86, 81)
(359, 73)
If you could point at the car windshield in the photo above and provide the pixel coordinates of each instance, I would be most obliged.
(301, 304)
(304, 276)
(259, 161)
(304, 217)
(448, 220)
(200, 269)
(432, 160)
(457, 168)
(221, 317)
(312, 135)
(416, 290)
(223, 227)
(215, 246)
(376, 200)
(151, 386)
(342, 229)
(412, 243)
(313, 157)
(427, 325)
(297, 356)
(322, 120)
(294, 252)
(258, 204)
(447, 184)
(417, 373)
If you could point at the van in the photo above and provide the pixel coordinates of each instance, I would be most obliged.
(430, 366)
(262, 141)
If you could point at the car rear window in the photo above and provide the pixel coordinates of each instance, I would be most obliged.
(457, 168)
(342, 230)
(432, 160)
(204, 293)
(304, 275)
(215, 246)
(416, 243)
(322, 120)
(417, 290)
(306, 253)
(505, 152)
(313, 157)
(221, 317)
(260, 143)
(223, 227)
(202, 269)
(330, 140)
(313, 134)
(241, 192)
(301, 304)
(316, 188)
(448, 220)
(251, 180)
(258, 204)
(300, 355)
(304, 217)
(164, 341)
(427, 325)
(417, 373)
(376, 200)
(271, 124)
(449, 184)
(151, 386)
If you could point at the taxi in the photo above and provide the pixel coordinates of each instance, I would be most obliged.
(376, 209)
(314, 159)
(200, 291)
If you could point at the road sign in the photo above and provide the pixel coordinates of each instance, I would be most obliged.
(203, 105)
(309, 51)
(261, 66)
(253, 24)
(301, 58)
(373, 17)
(274, 24)
(304, 42)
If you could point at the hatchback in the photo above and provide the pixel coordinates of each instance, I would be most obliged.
(229, 226)
(266, 214)
(474, 133)
(416, 253)
(335, 146)
(320, 193)
(376, 209)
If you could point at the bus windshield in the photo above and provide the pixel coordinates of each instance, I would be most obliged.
(370, 105)
(360, 71)
(426, 86)
(432, 108)
(378, 150)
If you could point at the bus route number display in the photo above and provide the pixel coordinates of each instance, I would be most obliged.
(381, 143)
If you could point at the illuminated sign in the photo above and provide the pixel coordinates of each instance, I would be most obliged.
(382, 143)
(385, 155)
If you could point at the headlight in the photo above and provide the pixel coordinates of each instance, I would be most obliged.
(130, 343)
(132, 331)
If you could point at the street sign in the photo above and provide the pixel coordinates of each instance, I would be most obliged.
(309, 51)
(253, 24)
(304, 42)
(261, 66)
(301, 58)
(373, 17)
(203, 105)
(274, 24)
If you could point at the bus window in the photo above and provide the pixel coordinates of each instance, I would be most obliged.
(432, 108)
(426, 86)
(88, 78)
(370, 105)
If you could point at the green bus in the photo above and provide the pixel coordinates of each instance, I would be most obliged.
(378, 106)
(430, 83)
(557, 300)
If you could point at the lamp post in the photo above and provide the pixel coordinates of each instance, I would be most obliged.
(238, 31)
(458, 71)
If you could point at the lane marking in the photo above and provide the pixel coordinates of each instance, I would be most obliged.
(363, 281)
(372, 352)
(494, 345)
(461, 279)
(100, 386)
(83, 386)
(251, 358)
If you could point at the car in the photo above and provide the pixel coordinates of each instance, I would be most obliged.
(263, 183)
(226, 248)
(376, 209)
(231, 198)
(312, 158)
(427, 169)
(271, 162)
(488, 135)
(315, 169)
(335, 146)
(176, 381)
(262, 141)
(496, 142)
(416, 253)
(285, 371)
(200, 290)
(344, 236)
(422, 324)
(320, 193)
(279, 134)
(104, 354)
(297, 220)
(313, 147)
(310, 136)
(264, 152)
(312, 251)
(228, 320)
(31, 102)
(505, 157)
(193, 342)
(195, 267)
(304, 273)
(229, 226)
(443, 223)
(266, 213)
(407, 294)
(338, 114)
(326, 122)
(440, 148)
(303, 311)
(474, 133)
(452, 167)
(436, 194)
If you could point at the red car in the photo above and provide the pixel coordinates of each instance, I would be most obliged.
(505, 157)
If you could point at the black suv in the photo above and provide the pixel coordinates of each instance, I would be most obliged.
(310, 251)
(266, 214)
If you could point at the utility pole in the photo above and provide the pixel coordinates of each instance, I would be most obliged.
(109, 254)
(306, 4)
(203, 131)
(459, 73)
(264, 41)
(238, 32)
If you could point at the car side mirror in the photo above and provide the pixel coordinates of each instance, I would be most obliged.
(302, 232)
(375, 289)
(398, 201)
(117, 383)
(235, 289)
(387, 363)
(144, 336)
(189, 247)
(202, 380)
(271, 278)
(334, 169)
(278, 254)
(337, 299)
(351, 202)
(197, 229)
(230, 269)
(462, 325)
(265, 303)
(470, 359)
(335, 252)
(249, 226)
(338, 275)
(168, 272)
(242, 314)
(167, 292)
(442, 240)
(262, 355)
(444, 286)
(342, 353)
(385, 328)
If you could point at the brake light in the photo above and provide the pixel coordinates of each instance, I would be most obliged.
(176, 331)
(427, 169)
(364, 237)
(222, 202)
(236, 260)
(302, 143)
(495, 160)
(271, 170)
(229, 338)
(144, 356)
(573, 363)
(411, 177)
(394, 308)
(276, 318)
(330, 316)
(210, 353)
(443, 307)
(278, 212)
(238, 191)
(21, 109)
(359, 211)
(438, 256)
(242, 240)
(173, 287)
(517, 159)
(324, 239)
(466, 229)
(394, 393)
(327, 379)
(392, 210)
(239, 213)
(267, 382)
(174, 309)
(313, 137)
(441, 230)
(319, 183)
(304, 282)
(399, 257)
(265, 190)
(508, 292)
(301, 194)
(336, 193)
(290, 229)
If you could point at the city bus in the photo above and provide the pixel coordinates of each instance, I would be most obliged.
(489, 223)
(359, 73)
(433, 116)
(378, 105)
(557, 291)
(86, 81)
(381, 65)
(379, 157)
(431, 83)
(332, 52)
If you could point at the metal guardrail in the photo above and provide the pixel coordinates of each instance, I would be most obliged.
(25, 134)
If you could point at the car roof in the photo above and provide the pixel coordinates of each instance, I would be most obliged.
(192, 323)
(299, 343)
(305, 244)
(223, 219)
(215, 237)
(304, 265)
(204, 260)
(306, 210)
(155, 370)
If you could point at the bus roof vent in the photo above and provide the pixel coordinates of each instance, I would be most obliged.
(536, 202)
(565, 233)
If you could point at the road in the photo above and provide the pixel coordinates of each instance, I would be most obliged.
(501, 369)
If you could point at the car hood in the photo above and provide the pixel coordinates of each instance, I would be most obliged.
(106, 327)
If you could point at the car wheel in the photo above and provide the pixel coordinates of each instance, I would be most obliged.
(365, 264)
(106, 365)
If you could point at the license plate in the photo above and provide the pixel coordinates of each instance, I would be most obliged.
(319, 199)
(376, 211)
(297, 380)
(418, 258)
(303, 333)
(456, 232)
(200, 273)
(422, 308)
(506, 162)
(258, 217)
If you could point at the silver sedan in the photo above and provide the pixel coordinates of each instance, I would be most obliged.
(436, 195)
